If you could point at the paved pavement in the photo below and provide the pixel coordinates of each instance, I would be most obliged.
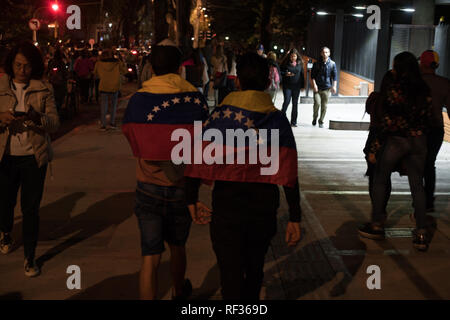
(87, 220)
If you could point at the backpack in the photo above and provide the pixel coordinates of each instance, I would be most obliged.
(274, 78)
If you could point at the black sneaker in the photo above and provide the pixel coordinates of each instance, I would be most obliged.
(314, 122)
(420, 240)
(31, 269)
(371, 231)
(6, 243)
(294, 125)
(320, 125)
(186, 293)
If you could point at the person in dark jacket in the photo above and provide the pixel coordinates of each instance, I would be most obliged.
(293, 82)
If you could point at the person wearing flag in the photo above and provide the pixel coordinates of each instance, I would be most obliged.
(165, 103)
(245, 199)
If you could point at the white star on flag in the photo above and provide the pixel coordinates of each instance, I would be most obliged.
(249, 123)
(227, 113)
(150, 117)
(197, 101)
(239, 116)
(215, 115)
(187, 99)
(176, 100)
(156, 109)
(165, 104)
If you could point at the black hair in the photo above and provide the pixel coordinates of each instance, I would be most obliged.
(165, 59)
(287, 58)
(33, 55)
(253, 72)
(408, 71)
(4, 51)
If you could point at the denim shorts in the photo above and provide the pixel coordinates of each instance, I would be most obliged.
(162, 216)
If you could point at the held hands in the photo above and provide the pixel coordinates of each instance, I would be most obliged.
(333, 90)
(199, 213)
(293, 233)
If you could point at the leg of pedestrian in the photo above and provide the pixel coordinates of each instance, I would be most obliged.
(294, 113)
(148, 277)
(114, 99)
(316, 106)
(324, 96)
(103, 109)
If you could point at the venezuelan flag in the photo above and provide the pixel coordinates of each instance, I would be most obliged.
(249, 110)
(164, 104)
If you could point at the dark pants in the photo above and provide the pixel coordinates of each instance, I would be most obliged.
(23, 172)
(289, 93)
(59, 92)
(434, 143)
(241, 231)
(84, 89)
(412, 153)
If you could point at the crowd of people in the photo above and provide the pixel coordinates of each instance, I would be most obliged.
(406, 133)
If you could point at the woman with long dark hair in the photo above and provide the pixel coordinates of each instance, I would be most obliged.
(27, 116)
(293, 82)
(401, 140)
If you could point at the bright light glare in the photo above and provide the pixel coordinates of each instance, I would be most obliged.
(408, 10)
(55, 7)
(322, 13)
(358, 15)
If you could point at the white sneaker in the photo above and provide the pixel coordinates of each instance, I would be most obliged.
(31, 268)
(6, 243)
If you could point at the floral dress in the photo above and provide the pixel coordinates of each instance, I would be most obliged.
(404, 115)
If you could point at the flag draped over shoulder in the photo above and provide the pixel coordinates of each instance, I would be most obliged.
(252, 112)
(150, 118)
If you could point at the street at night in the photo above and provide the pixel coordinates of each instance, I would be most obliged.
(209, 150)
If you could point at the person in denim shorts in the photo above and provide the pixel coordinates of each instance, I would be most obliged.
(161, 209)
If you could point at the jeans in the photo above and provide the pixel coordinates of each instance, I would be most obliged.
(105, 98)
(289, 93)
(412, 152)
(162, 216)
(22, 172)
(434, 143)
(320, 101)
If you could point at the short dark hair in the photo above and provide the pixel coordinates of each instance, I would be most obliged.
(165, 59)
(253, 72)
(33, 55)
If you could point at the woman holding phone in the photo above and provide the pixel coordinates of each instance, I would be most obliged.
(27, 116)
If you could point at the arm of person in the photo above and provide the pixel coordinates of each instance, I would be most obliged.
(293, 230)
(334, 78)
(47, 120)
(6, 118)
(198, 210)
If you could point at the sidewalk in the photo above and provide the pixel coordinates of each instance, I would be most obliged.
(87, 220)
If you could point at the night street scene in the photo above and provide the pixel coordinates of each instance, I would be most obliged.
(229, 156)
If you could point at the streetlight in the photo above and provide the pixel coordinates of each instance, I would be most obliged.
(227, 38)
(408, 10)
(322, 13)
(275, 47)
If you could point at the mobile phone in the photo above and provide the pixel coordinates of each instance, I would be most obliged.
(19, 114)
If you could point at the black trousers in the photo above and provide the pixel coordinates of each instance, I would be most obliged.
(288, 94)
(22, 172)
(434, 143)
(241, 230)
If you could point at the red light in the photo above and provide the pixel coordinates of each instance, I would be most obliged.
(134, 52)
(55, 7)
(130, 70)
(55, 69)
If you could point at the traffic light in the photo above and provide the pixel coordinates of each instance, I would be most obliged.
(55, 7)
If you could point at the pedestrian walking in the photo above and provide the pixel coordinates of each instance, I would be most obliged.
(440, 92)
(274, 76)
(402, 140)
(83, 68)
(27, 116)
(245, 202)
(109, 71)
(166, 103)
(220, 71)
(57, 76)
(324, 81)
(293, 82)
